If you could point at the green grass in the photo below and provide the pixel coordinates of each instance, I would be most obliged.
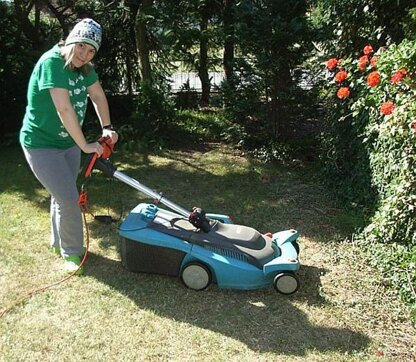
(343, 311)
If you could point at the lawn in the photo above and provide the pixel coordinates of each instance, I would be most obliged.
(342, 312)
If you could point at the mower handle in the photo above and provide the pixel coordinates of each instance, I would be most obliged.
(90, 161)
(197, 217)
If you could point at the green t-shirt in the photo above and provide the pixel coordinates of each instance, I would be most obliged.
(42, 127)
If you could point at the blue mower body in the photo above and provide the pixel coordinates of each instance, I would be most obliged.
(199, 247)
(156, 240)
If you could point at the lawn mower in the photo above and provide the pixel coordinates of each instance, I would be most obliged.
(198, 247)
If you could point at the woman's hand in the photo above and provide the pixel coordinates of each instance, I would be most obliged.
(94, 147)
(112, 134)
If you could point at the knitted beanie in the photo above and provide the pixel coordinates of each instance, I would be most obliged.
(86, 31)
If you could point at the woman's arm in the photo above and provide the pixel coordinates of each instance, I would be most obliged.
(66, 112)
(99, 100)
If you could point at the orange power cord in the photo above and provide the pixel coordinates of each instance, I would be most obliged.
(82, 202)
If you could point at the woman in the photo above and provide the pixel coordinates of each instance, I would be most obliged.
(51, 135)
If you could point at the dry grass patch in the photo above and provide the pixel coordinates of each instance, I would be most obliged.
(343, 311)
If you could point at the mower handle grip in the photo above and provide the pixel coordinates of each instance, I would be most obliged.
(89, 163)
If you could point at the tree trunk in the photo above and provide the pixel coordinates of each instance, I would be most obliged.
(228, 57)
(203, 61)
(23, 9)
(142, 41)
(59, 12)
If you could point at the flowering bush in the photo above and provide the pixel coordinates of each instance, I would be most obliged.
(373, 78)
(371, 146)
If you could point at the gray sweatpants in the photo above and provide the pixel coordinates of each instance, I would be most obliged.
(57, 171)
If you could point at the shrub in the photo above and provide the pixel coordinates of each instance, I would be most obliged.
(148, 127)
(376, 114)
(187, 97)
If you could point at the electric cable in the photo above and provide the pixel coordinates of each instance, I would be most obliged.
(82, 202)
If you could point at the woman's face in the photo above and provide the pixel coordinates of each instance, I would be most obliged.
(83, 54)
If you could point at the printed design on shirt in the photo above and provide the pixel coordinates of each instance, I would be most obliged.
(80, 105)
(78, 95)
(63, 134)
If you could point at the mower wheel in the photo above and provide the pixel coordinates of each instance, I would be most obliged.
(286, 283)
(196, 276)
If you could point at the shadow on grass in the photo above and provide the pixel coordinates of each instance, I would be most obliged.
(263, 320)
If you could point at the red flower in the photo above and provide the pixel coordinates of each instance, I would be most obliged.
(373, 62)
(398, 76)
(368, 49)
(413, 127)
(387, 108)
(362, 62)
(373, 79)
(343, 92)
(341, 76)
(332, 63)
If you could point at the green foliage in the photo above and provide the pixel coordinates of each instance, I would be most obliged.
(365, 138)
(116, 61)
(156, 123)
(273, 152)
(349, 25)
(393, 164)
(272, 37)
(398, 264)
(16, 63)
(147, 128)
(187, 97)
(193, 127)
(344, 155)
(241, 97)
(175, 34)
